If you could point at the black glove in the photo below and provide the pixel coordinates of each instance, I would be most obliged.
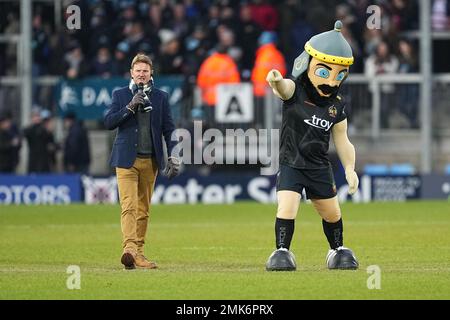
(137, 100)
(172, 167)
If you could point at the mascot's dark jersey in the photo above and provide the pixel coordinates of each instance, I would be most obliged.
(306, 127)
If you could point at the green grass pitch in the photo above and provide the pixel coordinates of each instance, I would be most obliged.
(219, 252)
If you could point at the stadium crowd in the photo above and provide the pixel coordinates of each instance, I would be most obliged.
(180, 34)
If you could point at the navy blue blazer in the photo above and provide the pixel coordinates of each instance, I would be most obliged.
(118, 116)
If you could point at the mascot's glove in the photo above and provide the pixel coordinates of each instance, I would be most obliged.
(352, 180)
(172, 167)
(282, 88)
(273, 76)
(137, 100)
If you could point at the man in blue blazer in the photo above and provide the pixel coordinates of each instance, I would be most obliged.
(141, 113)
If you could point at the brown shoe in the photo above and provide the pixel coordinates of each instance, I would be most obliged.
(142, 262)
(128, 259)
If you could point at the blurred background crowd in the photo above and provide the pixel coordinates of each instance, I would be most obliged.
(180, 34)
(195, 38)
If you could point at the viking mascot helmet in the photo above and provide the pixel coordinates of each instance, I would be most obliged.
(329, 47)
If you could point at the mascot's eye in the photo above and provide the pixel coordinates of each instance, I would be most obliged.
(322, 72)
(340, 76)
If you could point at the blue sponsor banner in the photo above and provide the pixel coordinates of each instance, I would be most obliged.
(90, 97)
(228, 188)
(382, 188)
(436, 186)
(40, 189)
(214, 189)
(217, 188)
(396, 188)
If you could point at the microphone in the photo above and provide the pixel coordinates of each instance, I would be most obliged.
(140, 90)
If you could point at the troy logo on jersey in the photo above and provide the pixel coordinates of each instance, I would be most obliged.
(319, 123)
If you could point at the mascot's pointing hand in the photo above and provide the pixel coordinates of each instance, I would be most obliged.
(282, 88)
(274, 76)
(352, 180)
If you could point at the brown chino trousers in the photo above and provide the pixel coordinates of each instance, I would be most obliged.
(135, 191)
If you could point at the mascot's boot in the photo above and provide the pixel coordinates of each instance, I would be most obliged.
(281, 260)
(341, 258)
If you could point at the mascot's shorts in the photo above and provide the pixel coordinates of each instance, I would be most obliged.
(318, 183)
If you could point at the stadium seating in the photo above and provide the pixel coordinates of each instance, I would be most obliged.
(402, 169)
(398, 169)
(447, 169)
(375, 169)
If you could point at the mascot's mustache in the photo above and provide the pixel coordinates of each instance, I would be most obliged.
(326, 89)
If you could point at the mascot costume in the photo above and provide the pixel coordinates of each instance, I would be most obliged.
(312, 112)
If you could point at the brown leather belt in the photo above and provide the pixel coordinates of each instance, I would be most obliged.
(144, 156)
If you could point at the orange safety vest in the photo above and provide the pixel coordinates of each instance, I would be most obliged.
(216, 69)
(268, 57)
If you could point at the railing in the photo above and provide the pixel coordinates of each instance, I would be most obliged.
(369, 104)
(370, 101)
(383, 105)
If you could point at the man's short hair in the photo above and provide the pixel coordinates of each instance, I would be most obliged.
(142, 58)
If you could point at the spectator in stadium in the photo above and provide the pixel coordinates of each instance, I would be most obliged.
(226, 38)
(101, 33)
(34, 135)
(10, 49)
(166, 12)
(408, 93)
(300, 32)
(229, 19)
(212, 21)
(102, 66)
(15, 136)
(440, 15)
(312, 111)
(216, 69)
(372, 38)
(358, 66)
(180, 24)
(138, 40)
(41, 142)
(9, 144)
(40, 46)
(77, 154)
(247, 38)
(171, 57)
(196, 52)
(120, 63)
(51, 147)
(383, 62)
(75, 63)
(404, 15)
(141, 113)
(264, 14)
(268, 57)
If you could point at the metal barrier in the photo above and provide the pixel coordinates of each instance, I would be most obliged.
(386, 103)
(386, 106)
